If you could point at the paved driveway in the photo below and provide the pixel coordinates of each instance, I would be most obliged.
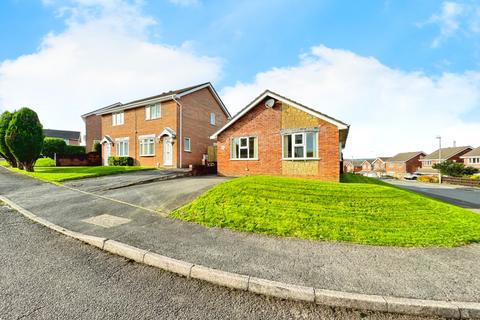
(165, 195)
(464, 197)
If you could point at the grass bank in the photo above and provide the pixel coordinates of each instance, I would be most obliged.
(360, 210)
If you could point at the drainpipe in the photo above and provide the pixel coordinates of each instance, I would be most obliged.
(180, 134)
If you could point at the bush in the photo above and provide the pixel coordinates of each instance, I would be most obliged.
(45, 162)
(475, 177)
(72, 150)
(52, 146)
(431, 179)
(24, 137)
(97, 147)
(5, 152)
(454, 169)
(120, 161)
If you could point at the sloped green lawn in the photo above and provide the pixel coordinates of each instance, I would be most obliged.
(360, 210)
(60, 174)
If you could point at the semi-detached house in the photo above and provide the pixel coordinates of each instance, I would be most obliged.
(167, 130)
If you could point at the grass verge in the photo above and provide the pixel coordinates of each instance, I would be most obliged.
(360, 210)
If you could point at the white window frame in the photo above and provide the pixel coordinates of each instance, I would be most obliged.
(146, 140)
(247, 147)
(117, 149)
(303, 144)
(212, 118)
(189, 149)
(118, 118)
(148, 111)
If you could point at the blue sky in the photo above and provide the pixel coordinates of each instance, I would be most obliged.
(245, 39)
(257, 35)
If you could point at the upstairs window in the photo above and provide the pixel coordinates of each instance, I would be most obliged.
(300, 145)
(153, 111)
(117, 118)
(212, 119)
(244, 148)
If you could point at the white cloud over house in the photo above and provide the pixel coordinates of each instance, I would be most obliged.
(103, 56)
(389, 110)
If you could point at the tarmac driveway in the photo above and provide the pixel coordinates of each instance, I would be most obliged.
(465, 197)
(166, 195)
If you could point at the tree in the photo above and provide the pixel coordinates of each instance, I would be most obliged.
(454, 169)
(24, 137)
(52, 146)
(5, 119)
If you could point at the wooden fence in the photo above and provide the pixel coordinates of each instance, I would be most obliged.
(461, 181)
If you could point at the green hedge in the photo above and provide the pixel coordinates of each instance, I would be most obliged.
(70, 150)
(52, 146)
(120, 161)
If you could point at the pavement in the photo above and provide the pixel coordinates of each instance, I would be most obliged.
(56, 277)
(422, 273)
(465, 197)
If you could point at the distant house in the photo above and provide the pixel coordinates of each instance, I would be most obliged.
(453, 154)
(378, 165)
(403, 163)
(70, 137)
(367, 165)
(274, 135)
(472, 158)
(170, 130)
(352, 165)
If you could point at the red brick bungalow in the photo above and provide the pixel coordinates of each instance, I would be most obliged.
(403, 163)
(274, 135)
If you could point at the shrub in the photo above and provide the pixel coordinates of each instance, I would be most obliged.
(5, 152)
(45, 162)
(24, 137)
(454, 169)
(72, 150)
(97, 147)
(475, 177)
(52, 146)
(431, 179)
(120, 161)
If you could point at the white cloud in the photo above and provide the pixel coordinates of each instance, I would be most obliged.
(185, 3)
(103, 56)
(454, 17)
(389, 110)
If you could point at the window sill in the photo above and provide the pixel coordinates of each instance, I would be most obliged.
(253, 159)
(189, 151)
(147, 155)
(300, 159)
(153, 119)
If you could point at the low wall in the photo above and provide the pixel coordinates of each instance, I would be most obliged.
(200, 170)
(461, 181)
(72, 160)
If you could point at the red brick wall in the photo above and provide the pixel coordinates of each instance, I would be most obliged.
(196, 124)
(135, 125)
(401, 168)
(93, 130)
(266, 124)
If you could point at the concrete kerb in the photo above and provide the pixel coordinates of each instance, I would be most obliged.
(447, 309)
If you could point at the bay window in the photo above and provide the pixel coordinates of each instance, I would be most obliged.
(244, 148)
(302, 145)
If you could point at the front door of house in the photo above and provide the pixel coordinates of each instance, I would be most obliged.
(167, 152)
(106, 153)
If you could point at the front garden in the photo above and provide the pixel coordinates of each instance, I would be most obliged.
(360, 210)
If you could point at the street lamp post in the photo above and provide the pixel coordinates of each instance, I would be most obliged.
(439, 158)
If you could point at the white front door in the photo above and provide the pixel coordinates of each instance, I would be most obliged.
(106, 153)
(167, 151)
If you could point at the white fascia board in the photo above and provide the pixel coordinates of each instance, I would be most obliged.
(137, 104)
(252, 104)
